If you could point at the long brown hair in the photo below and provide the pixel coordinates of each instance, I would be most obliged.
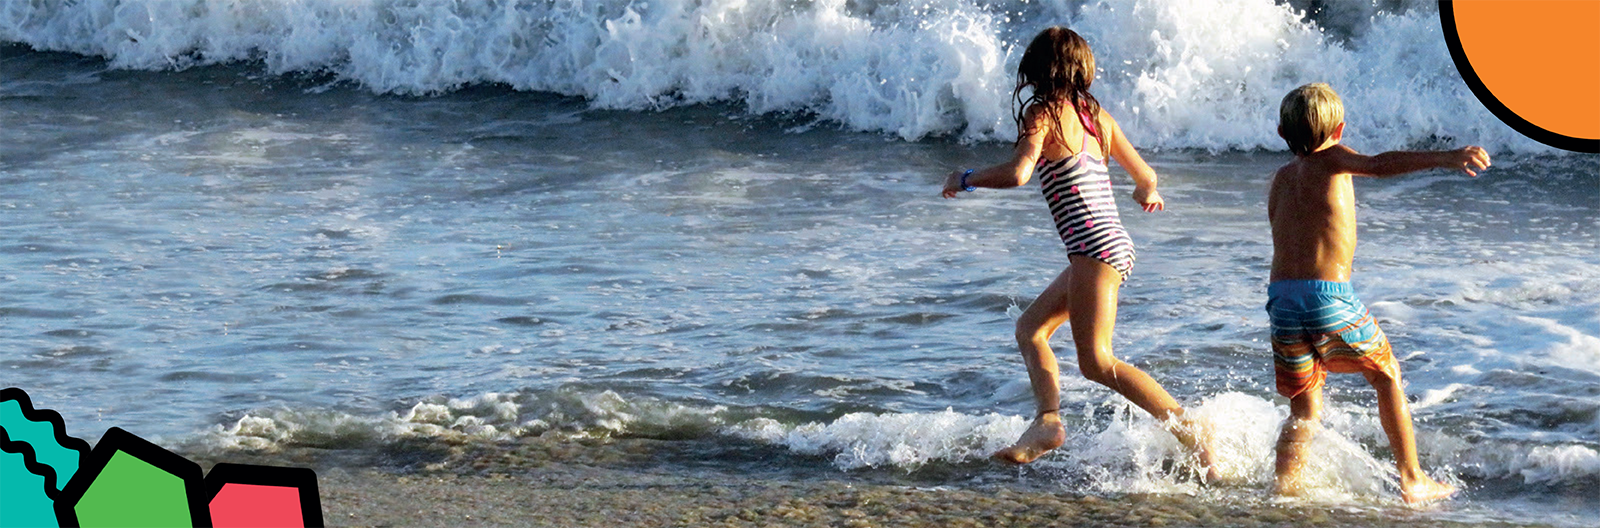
(1059, 67)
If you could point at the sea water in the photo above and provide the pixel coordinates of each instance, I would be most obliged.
(368, 226)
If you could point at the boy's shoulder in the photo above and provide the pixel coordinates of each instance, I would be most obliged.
(1293, 166)
(1295, 169)
(1333, 161)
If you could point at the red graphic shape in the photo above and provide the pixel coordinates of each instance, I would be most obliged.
(246, 495)
(248, 505)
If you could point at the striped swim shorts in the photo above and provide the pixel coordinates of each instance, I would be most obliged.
(1320, 327)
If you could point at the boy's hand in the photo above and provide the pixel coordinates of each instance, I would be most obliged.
(1149, 199)
(1468, 158)
(952, 184)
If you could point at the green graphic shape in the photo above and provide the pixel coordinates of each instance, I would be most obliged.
(22, 498)
(41, 436)
(131, 492)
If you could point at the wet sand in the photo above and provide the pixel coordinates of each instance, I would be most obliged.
(597, 497)
(610, 482)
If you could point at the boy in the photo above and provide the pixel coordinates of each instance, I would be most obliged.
(1318, 325)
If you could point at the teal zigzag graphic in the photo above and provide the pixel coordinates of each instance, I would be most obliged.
(37, 458)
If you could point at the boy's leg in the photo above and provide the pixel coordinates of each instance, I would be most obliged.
(1034, 328)
(1415, 486)
(1305, 415)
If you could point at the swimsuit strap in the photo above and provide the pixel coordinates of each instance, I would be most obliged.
(1088, 128)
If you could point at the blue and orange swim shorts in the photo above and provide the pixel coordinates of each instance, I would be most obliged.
(1320, 327)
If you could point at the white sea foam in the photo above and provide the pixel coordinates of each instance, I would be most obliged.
(1131, 453)
(1432, 397)
(1547, 464)
(489, 416)
(1559, 463)
(1201, 74)
(1568, 347)
(904, 440)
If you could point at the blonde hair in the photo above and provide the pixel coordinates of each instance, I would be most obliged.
(1308, 116)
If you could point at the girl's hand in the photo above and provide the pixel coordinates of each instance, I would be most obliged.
(952, 184)
(1149, 199)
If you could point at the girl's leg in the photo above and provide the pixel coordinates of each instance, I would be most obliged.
(1093, 308)
(1094, 314)
(1047, 313)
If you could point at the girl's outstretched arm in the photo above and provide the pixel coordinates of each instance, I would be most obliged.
(1144, 177)
(1014, 172)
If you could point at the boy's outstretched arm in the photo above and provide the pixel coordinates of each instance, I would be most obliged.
(1396, 163)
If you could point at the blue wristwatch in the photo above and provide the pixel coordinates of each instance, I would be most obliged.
(964, 185)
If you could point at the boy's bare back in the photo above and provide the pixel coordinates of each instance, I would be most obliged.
(1312, 205)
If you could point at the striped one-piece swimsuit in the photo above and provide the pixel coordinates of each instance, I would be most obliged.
(1078, 189)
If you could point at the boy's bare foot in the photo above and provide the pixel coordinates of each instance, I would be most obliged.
(1289, 486)
(1425, 490)
(1292, 443)
(1042, 436)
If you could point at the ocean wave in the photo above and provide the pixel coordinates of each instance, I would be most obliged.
(489, 417)
(1112, 446)
(1202, 74)
(1551, 464)
(908, 440)
(1554, 464)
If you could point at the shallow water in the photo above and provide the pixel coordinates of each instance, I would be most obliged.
(239, 263)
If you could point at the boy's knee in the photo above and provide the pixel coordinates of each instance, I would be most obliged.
(1382, 377)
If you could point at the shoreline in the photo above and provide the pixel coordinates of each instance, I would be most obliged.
(579, 482)
(586, 496)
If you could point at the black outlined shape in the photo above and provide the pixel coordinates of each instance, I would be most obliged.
(1452, 39)
(117, 440)
(303, 479)
(53, 485)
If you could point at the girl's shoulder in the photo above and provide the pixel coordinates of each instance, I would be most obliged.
(1103, 117)
(1104, 122)
(1037, 113)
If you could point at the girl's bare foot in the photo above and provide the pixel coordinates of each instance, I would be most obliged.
(1425, 490)
(1042, 436)
(1195, 434)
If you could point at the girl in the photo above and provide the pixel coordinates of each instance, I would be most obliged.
(1065, 136)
